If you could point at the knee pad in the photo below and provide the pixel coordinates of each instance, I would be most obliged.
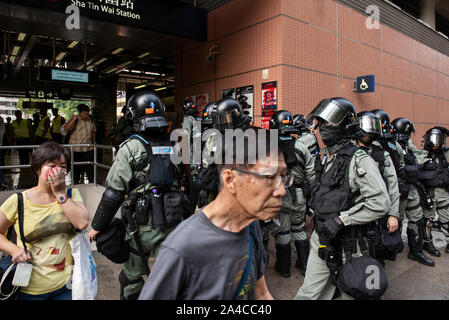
(124, 282)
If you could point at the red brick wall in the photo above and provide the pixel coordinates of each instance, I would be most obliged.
(314, 49)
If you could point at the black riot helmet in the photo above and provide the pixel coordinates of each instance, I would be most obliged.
(189, 108)
(206, 115)
(229, 115)
(369, 123)
(337, 120)
(299, 122)
(335, 111)
(384, 121)
(402, 129)
(282, 120)
(146, 111)
(434, 138)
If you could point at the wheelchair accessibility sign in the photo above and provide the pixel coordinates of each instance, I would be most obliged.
(364, 84)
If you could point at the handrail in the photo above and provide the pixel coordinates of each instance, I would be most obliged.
(72, 163)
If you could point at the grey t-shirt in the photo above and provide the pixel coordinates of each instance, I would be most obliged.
(199, 261)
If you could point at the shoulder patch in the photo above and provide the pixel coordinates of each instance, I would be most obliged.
(360, 154)
(392, 146)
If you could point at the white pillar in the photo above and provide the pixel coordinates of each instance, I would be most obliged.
(427, 11)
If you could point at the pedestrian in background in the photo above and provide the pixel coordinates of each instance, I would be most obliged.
(56, 124)
(81, 130)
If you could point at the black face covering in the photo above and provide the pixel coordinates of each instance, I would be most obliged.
(331, 135)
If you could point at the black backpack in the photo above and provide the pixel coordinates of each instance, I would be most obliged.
(362, 277)
(111, 242)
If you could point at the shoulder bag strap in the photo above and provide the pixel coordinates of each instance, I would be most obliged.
(246, 272)
(20, 213)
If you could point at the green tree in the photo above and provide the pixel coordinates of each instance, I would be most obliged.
(66, 107)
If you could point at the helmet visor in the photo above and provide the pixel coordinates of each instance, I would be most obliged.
(329, 111)
(150, 123)
(386, 129)
(370, 125)
(222, 120)
(434, 139)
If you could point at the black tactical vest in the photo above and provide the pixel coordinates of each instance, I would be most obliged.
(331, 192)
(434, 172)
(288, 149)
(390, 147)
(377, 153)
(162, 171)
(411, 168)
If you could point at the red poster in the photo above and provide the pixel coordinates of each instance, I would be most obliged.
(269, 96)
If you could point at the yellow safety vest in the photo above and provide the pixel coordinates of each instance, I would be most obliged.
(57, 124)
(40, 129)
(20, 129)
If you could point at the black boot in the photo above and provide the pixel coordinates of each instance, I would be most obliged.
(302, 251)
(447, 248)
(428, 240)
(283, 259)
(430, 248)
(414, 252)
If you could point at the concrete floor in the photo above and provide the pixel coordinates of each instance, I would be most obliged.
(408, 280)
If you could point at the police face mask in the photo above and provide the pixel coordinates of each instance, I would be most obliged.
(331, 135)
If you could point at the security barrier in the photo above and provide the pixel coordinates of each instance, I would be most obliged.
(72, 163)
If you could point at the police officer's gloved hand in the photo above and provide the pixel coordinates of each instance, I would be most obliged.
(331, 227)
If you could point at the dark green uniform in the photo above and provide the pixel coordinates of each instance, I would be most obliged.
(123, 176)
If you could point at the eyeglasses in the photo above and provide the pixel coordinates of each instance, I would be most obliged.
(274, 180)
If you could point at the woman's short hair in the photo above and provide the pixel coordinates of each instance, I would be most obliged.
(47, 152)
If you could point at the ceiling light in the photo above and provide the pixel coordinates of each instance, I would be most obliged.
(15, 51)
(21, 36)
(139, 87)
(61, 56)
(153, 73)
(118, 51)
(144, 55)
(100, 61)
(159, 89)
(72, 44)
(124, 64)
(112, 70)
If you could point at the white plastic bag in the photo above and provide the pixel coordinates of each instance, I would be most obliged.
(84, 277)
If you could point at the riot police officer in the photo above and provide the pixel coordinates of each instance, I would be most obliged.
(411, 204)
(305, 135)
(206, 116)
(227, 114)
(435, 178)
(143, 171)
(348, 193)
(371, 125)
(292, 215)
(189, 110)
(195, 168)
